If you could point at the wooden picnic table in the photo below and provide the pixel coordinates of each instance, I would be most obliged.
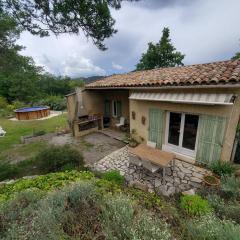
(154, 155)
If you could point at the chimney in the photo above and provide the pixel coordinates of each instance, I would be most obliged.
(81, 111)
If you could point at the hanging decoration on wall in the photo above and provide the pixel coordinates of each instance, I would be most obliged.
(133, 115)
(143, 120)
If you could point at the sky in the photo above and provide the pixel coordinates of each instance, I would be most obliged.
(204, 30)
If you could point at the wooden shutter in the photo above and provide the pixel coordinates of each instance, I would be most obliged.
(107, 108)
(119, 108)
(210, 138)
(156, 123)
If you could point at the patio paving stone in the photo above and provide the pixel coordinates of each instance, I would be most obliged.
(184, 177)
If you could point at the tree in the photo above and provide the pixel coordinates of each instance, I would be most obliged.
(237, 56)
(161, 54)
(18, 74)
(40, 17)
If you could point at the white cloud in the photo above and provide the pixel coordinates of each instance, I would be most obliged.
(203, 30)
(117, 66)
(75, 66)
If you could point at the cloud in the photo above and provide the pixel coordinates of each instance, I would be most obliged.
(117, 66)
(75, 66)
(204, 30)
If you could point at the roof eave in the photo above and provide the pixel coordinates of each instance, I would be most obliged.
(233, 85)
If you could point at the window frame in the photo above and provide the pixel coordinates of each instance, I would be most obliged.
(114, 102)
(179, 149)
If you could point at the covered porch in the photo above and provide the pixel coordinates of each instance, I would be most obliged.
(99, 110)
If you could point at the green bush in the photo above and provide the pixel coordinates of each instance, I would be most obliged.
(39, 133)
(222, 168)
(57, 103)
(195, 205)
(3, 103)
(114, 176)
(225, 210)
(209, 227)
(121, 221)
(230, 186)
(54, 158)
(77, 211)
(71, 213)
(44, 183)
(7, 170)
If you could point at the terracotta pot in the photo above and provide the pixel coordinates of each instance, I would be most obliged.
(211, 180)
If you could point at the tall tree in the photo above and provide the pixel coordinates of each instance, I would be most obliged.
(40, 17)
(18, 74)
(161, 54)
(237, 56)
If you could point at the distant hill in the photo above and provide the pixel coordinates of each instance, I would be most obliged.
(88, 79)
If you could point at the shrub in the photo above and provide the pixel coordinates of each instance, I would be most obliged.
(230, 186)
(7, 170)
(57, 103)
(54, 158)
(71, 213)
(222, 168)
(39, 133)
(209, 227)
(18, 104)
(114, 176)
(195, 205)
(225, 210)
(3, 103)
(43, 183)
(121, 221)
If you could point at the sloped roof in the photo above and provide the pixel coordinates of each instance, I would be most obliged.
(225, 72)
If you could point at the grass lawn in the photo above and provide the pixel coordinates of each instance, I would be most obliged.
(17, 129)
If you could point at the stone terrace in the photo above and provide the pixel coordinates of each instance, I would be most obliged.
(184, 176)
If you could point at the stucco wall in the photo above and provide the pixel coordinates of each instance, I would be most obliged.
(93, 101)
(71, 105)
(141, 108)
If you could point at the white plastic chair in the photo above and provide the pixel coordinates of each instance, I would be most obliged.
(121, 123)
(151, 144)
(2, 132)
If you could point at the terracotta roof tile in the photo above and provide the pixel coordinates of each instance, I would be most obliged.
(200, 74)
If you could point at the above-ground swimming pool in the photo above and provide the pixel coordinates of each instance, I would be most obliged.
(29, 113)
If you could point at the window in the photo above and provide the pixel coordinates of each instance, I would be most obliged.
(181, 133)
(116, 108)
(114, 113)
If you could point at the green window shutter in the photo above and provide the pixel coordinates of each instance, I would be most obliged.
(210, 138)
(156, 123)
(119, 108)
(107, 108)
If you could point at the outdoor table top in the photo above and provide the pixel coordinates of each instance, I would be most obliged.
(153, 155)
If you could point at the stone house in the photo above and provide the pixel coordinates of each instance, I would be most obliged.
(192, 111)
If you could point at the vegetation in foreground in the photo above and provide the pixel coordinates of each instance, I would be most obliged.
(79, 205)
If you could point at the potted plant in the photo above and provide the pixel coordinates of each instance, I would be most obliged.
(211, 180)
(133, 143)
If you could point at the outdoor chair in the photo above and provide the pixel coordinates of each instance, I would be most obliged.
(151, 144)
(135, 160)
(150, 166)
(2, 132)
(121, 123)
